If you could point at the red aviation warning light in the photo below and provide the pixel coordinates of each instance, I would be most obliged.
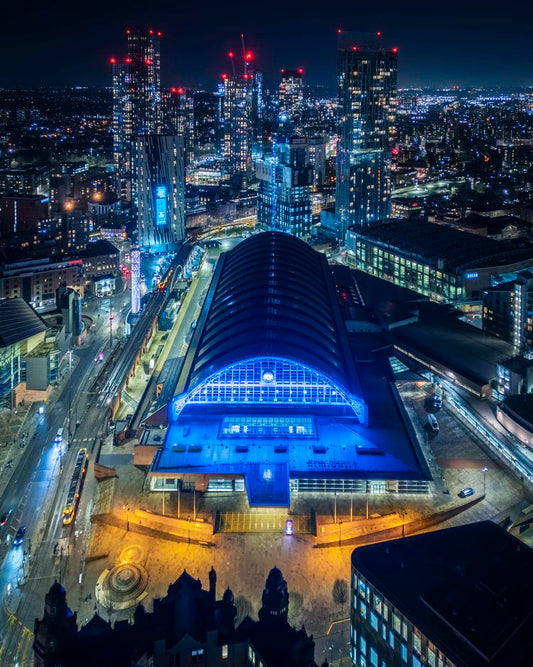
(128, 61)
(112, 61)
(395, 49)
(148, 62)
(248, 56)
(395, 151)
(128, 32)
(339, 31)
(378, 33)
(300, 70)
(159, 33)
(355, 48)
(150, 32)
(230, 54)
(224, 76)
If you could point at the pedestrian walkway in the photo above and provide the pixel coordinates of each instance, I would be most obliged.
(262, 522)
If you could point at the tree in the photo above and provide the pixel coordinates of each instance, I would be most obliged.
(339, 592)
(295, 608)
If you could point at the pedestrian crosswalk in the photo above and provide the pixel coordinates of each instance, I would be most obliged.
(83, 439)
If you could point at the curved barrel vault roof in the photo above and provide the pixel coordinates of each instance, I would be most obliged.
(271, 295)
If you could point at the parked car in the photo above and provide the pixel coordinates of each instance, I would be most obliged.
(19, 536)
(437, 401)
(469, 491)
(5, 517)
(433, 423)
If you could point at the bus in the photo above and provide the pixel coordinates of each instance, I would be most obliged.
(76, 486)
(59, 436)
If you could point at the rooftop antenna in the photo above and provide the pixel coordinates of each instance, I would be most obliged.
(244, 64)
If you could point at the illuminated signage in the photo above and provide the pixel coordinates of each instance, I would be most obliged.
(161, 205)
(472, 275)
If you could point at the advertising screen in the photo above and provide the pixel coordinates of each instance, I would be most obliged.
(161, 205)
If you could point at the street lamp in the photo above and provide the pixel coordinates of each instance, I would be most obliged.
(484, 470)
(111, 318)
(127, 508)
(340, 532)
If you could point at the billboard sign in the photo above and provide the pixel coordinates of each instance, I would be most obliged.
(161, 205)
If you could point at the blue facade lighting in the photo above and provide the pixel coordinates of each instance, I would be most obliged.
(161, 205)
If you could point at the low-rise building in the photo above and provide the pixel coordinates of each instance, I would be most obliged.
(460, 597)
(443, 263)
(508, 311)
(21, 331)
(100, 258)
(37, 280)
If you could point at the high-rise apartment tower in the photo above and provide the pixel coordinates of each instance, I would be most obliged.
(367, 109)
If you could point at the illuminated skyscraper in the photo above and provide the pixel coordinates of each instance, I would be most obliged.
(367, 109)
(136, 99)
(237, 120)
(290, 97)
(284, 196)
(177, 117)
(159, 187)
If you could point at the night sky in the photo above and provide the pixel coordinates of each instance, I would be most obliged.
(464, 42)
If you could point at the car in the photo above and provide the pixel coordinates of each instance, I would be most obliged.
(5, 517)
(437, 401)
(433, 423)
(465, 493)
(19, 536)
(289, 527)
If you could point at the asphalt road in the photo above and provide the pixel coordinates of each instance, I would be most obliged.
(36, 492)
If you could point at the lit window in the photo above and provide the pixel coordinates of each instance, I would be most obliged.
(403, 652)
(373, 621)
(373, 657)
(224, 652)
(396, 623)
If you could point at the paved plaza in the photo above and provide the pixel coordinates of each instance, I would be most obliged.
(243, 559)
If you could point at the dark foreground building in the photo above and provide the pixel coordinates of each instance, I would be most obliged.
(458, 597)
(189, 626)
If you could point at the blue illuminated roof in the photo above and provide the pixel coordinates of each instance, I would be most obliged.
(271, 295)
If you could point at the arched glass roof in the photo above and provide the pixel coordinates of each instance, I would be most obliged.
(272, 295)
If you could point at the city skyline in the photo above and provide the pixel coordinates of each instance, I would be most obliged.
(464, 47)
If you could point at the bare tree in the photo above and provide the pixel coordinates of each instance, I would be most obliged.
(295, 608)
(339, 592)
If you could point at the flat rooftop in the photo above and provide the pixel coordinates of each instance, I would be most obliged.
(460, 347)
(18, 322)
(522, 406)
(468, 589)
(334, 446)
(459, 249)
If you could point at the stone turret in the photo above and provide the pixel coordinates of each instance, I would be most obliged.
(53, 636)
(275, 598)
